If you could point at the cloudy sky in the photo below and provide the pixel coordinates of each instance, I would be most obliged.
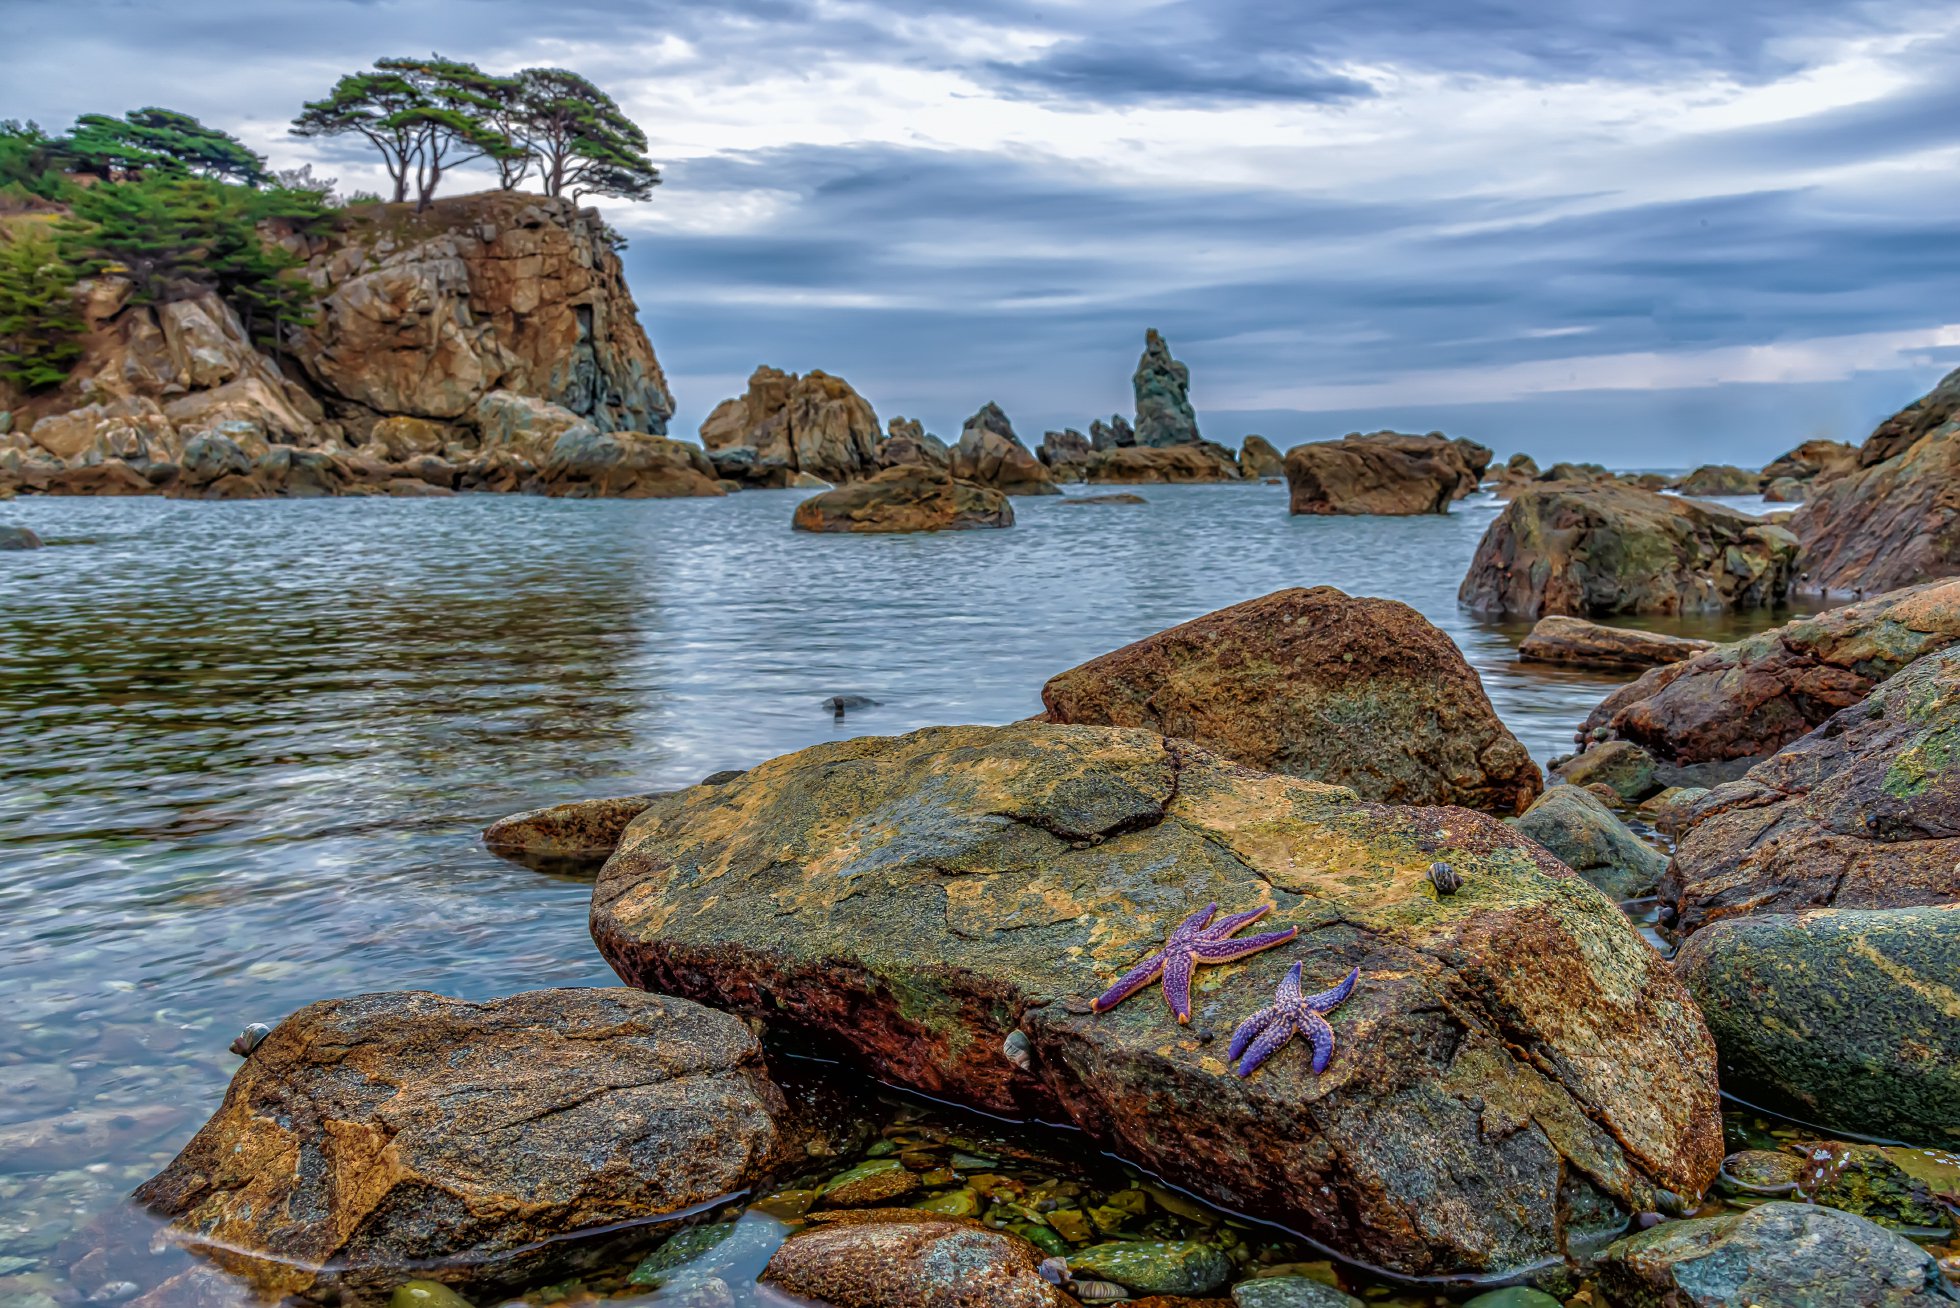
(1651, 232)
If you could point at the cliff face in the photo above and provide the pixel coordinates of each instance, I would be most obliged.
(426, 322)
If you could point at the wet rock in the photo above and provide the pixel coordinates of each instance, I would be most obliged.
(1575, 642)
(1001, 877)
(1196, 463)
(884, 1258)
(1163, 395)
(1813, 460)
(1750, 698)
(1513, 1296)
(1839, 1017)
(1358, 692)
(1597, 549)
(1720, 479)
(1586, 837)
(1905, 1189)
(583, 832)
(905, 499)
(1625, 768)
(1154, 1266)
(908, 443)
(868, 1185)
(1763, 1172)
(1384, 472)
(382, 1131)
(1864, 812)
(1290, 1292)
(586, 463)
(842, 704)
(1259, 457)
(426, 1294)
(18, 538)
(990, 454)
(1777, 1253)
(1121, 497)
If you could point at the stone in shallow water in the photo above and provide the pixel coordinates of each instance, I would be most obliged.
(900, 1258)
(1154, 1266)
(1761, 1172)
(1290, 1292)
(582, 833)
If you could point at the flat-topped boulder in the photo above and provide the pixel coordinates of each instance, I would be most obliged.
(582, 832)
(1750, 698)
(942, 908)
(1354, 691)
(1575, 642)
(901, 499)
(1200, 461)
(386, 1131)
(1864, 812)
(1383, 472)
(1596, 549)
(1720, 479)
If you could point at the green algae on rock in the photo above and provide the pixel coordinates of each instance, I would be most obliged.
(1908, 1189)
(1585, 835)
(1154, 1266)
(902, 1258)
(1848, 1019)
(916, 899)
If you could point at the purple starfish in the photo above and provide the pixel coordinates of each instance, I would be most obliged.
(1263, 1034)
(1191, 944)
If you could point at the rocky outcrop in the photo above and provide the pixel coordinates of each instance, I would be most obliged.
(1575, 642)
(786, 424)
(1863, 812)
(1720, 479)
(1839, 1017)
(1886, 525)
(906, 498)
(990, 454)
(1065, 452)
(1750, 698)
(586, 464)
(957, 885)
(1383, 472)
(1163, 395)
(385, 1131)
(1914, 423)
(1258, 457)
(1775, 1253)
(900, 1258)
(1116, 434)
(1814, 460)
(1582, 833)
(908, 444)
(1144, 465)
(1596, 549)
(1362, 693)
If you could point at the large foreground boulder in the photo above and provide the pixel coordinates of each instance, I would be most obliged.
(386, 1131)
(1840, 1017)
(1750, 698)
(1383, 472)
(1577, 643)
(1516, 1069)
(1357, 692)
(1596, 549)
(905, 499)
(1863, 812)
(785, 424)
(1786, 1255)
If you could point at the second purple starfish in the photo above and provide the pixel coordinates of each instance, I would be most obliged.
(1263, 1034)
(1191, 944)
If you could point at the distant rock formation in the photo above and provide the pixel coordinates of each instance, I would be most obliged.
(785, 424)
(1065, 452)
(1383, 472)
(1116, 434)
(908, 443)
(1163, 394)
(1720, 479)
(1813, 460)
(990, 454)
(1259, 458)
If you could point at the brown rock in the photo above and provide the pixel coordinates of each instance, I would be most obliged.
(1814, 460)
(587, 464)
(905, 499)
(1786, 490)
(900, 1258)
(1121, 497)
(110, 477)
(1887, 524)
(1144, 464)
(786, 424)
(1720, 479)
(1750, 698)
(383, 1131)
(1576, 642)
(583, 832)
(909, 443)
(1864, 812)
(1597, 549)
(1384, 472)
(1914, 423)
(990, 454)
(397, 440)
(1065, 452)
(1258, 457)
(1362, 693)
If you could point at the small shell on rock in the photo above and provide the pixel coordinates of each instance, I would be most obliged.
(1098, 1291)
(250, 1038)
(1445, 878)
(1054, 1270)
(1019, 1050)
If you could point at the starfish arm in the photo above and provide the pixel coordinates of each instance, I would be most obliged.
(1131, 981)
(1289, 986)
(1315, 1028)
(1194, 926)
(1224, 951)
(1327, 1000)
(1270, 1042)
(1248, 1031)
(1225, 926)
(1178, 968)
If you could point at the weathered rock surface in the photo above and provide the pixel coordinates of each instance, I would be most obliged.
(1597, 549)
(905, 499)
(1887, 524)
(786, 424)
(1065, 452)
(958, 884)
(1585, 836)
(1383, 472)
(907, 442)
(1786, 490)
(585, 463)
(1116, 434)
(1259, 457)
(1914, 423)
(374, 1133)
(585, 831)
(1750, 698)
(18, 538)
(1356, 692)
(990, 454)
(1863, 812)
(1812, 461)
(1144, 465)
(1163, 394)
(1575, 642)
(1720, 479)
(1621, 766)
(1785, 1254)
(901, 1258)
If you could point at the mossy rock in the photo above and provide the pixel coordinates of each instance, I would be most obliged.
(1154, 1266)
(1585, 835)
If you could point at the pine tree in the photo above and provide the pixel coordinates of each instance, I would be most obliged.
(149, 141)
(40, 324)
(425, 115)
(584, 143)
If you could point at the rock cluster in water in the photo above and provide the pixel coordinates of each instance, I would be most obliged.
(1383, 472)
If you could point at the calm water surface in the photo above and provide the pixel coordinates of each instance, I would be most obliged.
(245, 749)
